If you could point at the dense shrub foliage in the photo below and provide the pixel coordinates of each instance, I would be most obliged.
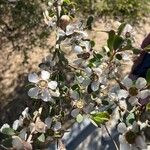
(131, 10)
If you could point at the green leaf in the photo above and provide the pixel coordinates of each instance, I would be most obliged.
(92, 43)
(147, 48)
(118, 41)
(41, 138)
(89, 22)
(98, 56)
(110, 41)
(148, 76)
(130, 119)
(8, 131)
(79, 118)
(66, 1)
(100, 117)
(136, 51)
(7, 142)
(75, 87)
(148, 107)
(121, 28)
(118, 56)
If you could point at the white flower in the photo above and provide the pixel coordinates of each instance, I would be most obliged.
(42, 86)
(73, 33)
(79, 104)
(134, 91)
(127, 29)
(96, 77)
(139, 142)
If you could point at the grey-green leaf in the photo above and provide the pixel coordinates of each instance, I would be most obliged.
(8, 131)
(79, 118)
(41, 138)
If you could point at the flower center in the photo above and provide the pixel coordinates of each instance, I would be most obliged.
(94, 77)
(130, 137)
(80, 104)
(133, 91)
(42, 84)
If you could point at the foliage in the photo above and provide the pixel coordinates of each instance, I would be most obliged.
(124, 10)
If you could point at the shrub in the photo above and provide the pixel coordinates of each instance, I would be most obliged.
(126, 10)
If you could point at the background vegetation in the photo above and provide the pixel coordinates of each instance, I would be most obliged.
(123, 10)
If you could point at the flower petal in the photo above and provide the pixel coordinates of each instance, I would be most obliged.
(45, 75)
(23, 134)
(17, 143)
(140, 142)
(127, 82)
(74, 95)
(127, 28)
(33, 92)
(143, 94)
(16, 124)
(75, 112)
(77, 49)
(88, 108)
(48, 122)
(45, 96)
(33, 77)
(52, 85)
(95, 86)
(121, 127)
(98, 71)
(122, 94)
(133, 100)
(124, 146)
(140, 83)
(57, 126)
(25, 113)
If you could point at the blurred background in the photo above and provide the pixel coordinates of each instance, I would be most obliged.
(25, 40)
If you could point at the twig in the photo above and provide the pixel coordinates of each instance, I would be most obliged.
(117, 148)
(36, 117)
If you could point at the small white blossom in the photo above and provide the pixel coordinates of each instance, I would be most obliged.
(135, 91)
(43, 87)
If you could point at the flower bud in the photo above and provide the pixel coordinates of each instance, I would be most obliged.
(40, 126)
(64, 21)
